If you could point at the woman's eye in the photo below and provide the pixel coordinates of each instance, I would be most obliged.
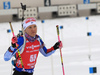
(30, 27)
(34, 26)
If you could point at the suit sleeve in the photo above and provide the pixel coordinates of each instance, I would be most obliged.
(44, 51)
(12, 51)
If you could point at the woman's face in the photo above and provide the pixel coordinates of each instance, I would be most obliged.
(31, 30)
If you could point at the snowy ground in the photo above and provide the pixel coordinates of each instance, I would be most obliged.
(77, 46)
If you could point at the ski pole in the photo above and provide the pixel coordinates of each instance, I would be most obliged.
(17, 46)
(60, 50)
(11, 28)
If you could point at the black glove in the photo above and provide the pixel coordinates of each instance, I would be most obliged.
(13, 45)
(56, 46)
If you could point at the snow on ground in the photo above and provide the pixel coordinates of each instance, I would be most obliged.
(77, 46)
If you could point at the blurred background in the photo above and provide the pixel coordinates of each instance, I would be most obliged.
(47, 9)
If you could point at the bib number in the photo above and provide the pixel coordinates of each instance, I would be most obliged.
(33, 57)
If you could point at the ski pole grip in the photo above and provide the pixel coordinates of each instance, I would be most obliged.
(57, 29)
(58, 32)
(11, 28)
